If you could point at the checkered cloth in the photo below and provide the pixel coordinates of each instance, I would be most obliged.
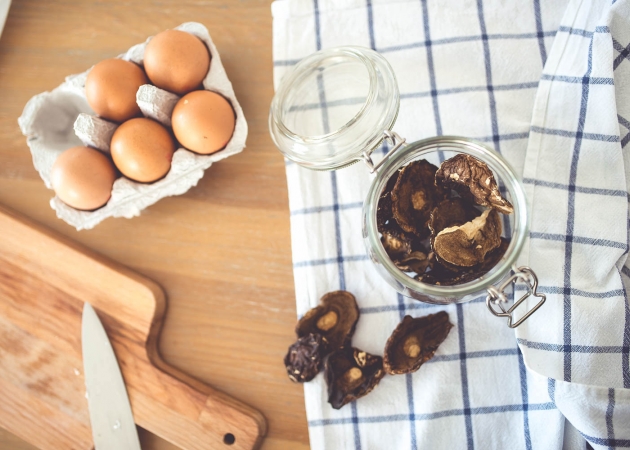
(475, 69)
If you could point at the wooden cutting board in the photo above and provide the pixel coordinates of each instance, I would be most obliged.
(44, 280)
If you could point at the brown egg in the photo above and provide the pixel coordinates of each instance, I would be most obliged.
(111, 88)
(83, 178)
(142, 149)
(176, 61)
(203, 121)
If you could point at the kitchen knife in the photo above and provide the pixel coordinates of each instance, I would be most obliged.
(112, 421)
(4, 11)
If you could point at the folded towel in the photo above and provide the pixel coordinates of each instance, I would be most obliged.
(475, 69)
(576, 171)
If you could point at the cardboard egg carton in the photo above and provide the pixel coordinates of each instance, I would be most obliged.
(58, 120)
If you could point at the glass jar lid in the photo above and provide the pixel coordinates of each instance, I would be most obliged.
(334, 107)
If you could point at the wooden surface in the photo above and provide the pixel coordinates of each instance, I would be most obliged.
(44, 281)
(221, 252)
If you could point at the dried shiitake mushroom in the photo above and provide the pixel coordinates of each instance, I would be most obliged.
(448, 213)
(467, 245)
(467, 174)
(441, 275)
(351, 373)
(397, 243)
(451, 212)
(304, 358)
(449, 275)
(414, 342)
(405, 250)
(384, 215)
(416, 261)
(334, 319)
(418, 202)
(414, 196)
(493, 257)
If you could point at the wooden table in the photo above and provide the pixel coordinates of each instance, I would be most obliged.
(221, 251)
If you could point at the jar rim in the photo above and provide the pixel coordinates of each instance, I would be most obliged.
(415, 150)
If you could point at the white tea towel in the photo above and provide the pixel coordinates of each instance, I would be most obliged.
(576, 173)
(464, 68)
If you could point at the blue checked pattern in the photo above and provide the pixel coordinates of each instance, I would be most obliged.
(475, 69)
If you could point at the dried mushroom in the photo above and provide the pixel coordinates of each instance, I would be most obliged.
(351, 373)
(414, 196)
(397, 243)
(468, 244)
(384, 215)
(451, 212)
(414, 262)
(335, 319)
(421, 201)
(445, 276)
(466, 174)
(414, 342)
(304, 358)
(493, 257)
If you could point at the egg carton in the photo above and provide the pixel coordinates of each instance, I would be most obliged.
(60, 119)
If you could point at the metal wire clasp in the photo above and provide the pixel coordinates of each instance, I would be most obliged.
(396, 141)
(496, 296)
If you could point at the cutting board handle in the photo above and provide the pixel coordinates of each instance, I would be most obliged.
(192, 415)
(172, 404)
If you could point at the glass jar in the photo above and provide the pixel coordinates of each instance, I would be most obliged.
(362, 87)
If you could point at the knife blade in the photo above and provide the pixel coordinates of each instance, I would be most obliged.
(4, 11)
(112, 421)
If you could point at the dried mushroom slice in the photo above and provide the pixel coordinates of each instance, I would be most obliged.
(304, 358)
(414, 196)
(451, 212)
(384, 215)
(440, 275)
(405, 250)
(493, 257)
(335, 319)
(466, 173)
(351, 373)
(414, 262)
(444, 276)
(447, 278)
(397, 243)
(467, 245)
(414, 342)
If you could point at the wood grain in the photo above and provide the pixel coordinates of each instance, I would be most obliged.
(43, 284)
(221, 252)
